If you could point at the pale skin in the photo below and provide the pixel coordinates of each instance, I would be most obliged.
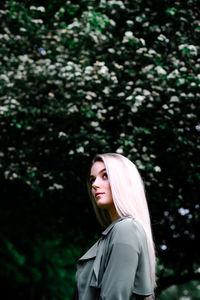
(101, 189)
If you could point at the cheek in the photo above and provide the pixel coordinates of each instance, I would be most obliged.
(109, 190)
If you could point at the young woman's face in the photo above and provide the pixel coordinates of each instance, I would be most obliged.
(100, 186)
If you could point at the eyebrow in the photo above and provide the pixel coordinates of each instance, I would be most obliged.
(91, 176)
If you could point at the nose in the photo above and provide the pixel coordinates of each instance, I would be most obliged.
(95, 184)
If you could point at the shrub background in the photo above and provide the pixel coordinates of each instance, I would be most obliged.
(84, 77)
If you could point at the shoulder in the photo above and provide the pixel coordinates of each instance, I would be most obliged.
(128, 231)
(128, 224)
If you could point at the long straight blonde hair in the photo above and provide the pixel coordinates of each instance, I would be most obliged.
(128, 196)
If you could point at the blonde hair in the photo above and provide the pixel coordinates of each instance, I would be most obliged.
(128, 196)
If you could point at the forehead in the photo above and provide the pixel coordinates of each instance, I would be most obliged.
(97, 167)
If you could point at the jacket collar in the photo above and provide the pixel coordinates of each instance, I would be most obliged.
(107, 230)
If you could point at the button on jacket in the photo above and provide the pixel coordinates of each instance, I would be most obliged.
(116, 267)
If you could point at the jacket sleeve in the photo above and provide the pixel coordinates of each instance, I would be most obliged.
(119, 275)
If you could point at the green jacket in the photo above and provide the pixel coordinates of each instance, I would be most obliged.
(116, 267)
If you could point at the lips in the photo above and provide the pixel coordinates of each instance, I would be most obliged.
(99, 194)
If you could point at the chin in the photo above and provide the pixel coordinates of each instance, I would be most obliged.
(102, 204)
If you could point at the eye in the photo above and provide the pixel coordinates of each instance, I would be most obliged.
(105, 175)
(92, 180)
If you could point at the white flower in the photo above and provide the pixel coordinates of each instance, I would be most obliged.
(92, 94)
(88, 70)
(143, 42)
(151, 51)
(77, 74)
(175, 61)
(146, 92)
(55, 186)
(163, 247)
(51, 95)
(24, 58)
(138, 102)
(129, 22)
(114, 79)
(183, 69)
(140, 98)
(120, 67)
(174, 99)
(160, 70)
(129, 98)
(94, 124)
(111, 50)
(129, 34)
(58, 186)
(147, 68)
(14, 175)
(150, 76)
(2, 154)
(138, 90)
(192, 48)
(103, 70)
(138, 19)
(106, 90)
(74, 24)
(99, 63)
(41, 8)
(119, 150)
(62, 134)
(183, 211)
(80, 149)
(191, 95)
(88, 97)
(183, 94)
(73, 109)
(157, 169)
(69, 68)
(37, 21)
(3, 109)
(165, 106)
(134, 109)
(122, 94)
(173, 74)
(197, 127)
(141, 50)
(161, 37)
(181, 81)
(4, 77)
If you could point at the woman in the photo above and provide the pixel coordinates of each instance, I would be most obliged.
(121, 265)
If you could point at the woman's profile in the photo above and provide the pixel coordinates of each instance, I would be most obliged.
(121, 264)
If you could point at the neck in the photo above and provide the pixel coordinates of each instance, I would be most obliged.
(113, 214)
